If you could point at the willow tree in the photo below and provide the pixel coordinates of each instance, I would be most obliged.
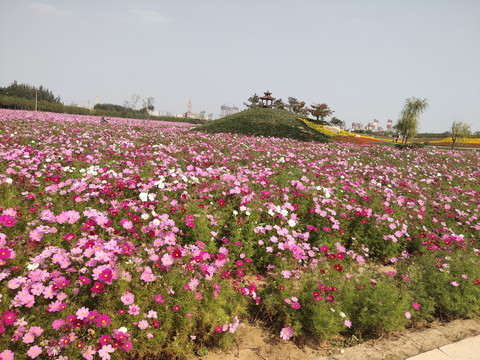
(460, 130)
(407, 124)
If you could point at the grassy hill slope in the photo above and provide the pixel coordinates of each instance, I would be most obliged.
(264, 122)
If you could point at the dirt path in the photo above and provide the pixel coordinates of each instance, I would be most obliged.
(256, 344)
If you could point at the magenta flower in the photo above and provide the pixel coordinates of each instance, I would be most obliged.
(7, 220)
(5, 253)
(9, 317)
(103, 320)
(104, 339)
(416, 306)
(127, 345)
(97, 287)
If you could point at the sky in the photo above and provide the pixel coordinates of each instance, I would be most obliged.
(363, 58)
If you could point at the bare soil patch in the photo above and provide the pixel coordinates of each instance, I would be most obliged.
(255, 343)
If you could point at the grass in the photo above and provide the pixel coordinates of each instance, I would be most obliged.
(264, 122)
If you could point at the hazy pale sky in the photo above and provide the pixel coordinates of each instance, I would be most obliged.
(361, 57)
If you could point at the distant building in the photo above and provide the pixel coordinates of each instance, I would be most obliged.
(357, 126)
(389, 125)
(191, 115)
(228, 110)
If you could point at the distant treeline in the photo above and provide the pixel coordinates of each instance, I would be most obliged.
(30, 92)
(22, 97)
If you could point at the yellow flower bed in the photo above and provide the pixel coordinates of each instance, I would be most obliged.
(468, 141)
(321, 129)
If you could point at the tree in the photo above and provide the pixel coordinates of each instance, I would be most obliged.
(320, 111)
(279, 104)
(297, 107)
(460, 130)
(253, 102)
(407, 124)
(132, 103)
(30, 92)
(148, 106)
(336, 121)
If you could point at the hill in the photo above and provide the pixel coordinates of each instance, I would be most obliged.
(264, 122)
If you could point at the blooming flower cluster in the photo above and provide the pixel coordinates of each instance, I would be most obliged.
(134, 234)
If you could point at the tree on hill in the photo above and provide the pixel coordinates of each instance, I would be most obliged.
(407, 124)
(336, 121)
(253, 102)
(297, 107)
(320, 111)
(279, 104)
(460, 130)
(30, 92)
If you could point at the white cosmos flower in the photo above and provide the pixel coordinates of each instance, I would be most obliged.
(143, 196)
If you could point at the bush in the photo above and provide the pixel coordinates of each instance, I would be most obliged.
(374, 307)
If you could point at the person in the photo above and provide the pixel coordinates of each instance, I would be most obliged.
(103, 121)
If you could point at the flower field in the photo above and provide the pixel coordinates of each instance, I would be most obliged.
(468, 142)
(139, 239)
(342, 135)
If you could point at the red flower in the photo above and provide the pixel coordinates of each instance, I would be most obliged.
(97, 287)
(338, 267)
(177, 254)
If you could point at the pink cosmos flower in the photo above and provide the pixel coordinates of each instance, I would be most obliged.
(34, 351)
(408, 315)
(88, 353)
(82, 313)
(143, 324)
(7, 355)
(36, 330)
(127, 298)
(57, 324)
(133, 309)
(416, 306)
(28, 338)
(105, 351)
(348, 323)
(286, 333)
(454, 283)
